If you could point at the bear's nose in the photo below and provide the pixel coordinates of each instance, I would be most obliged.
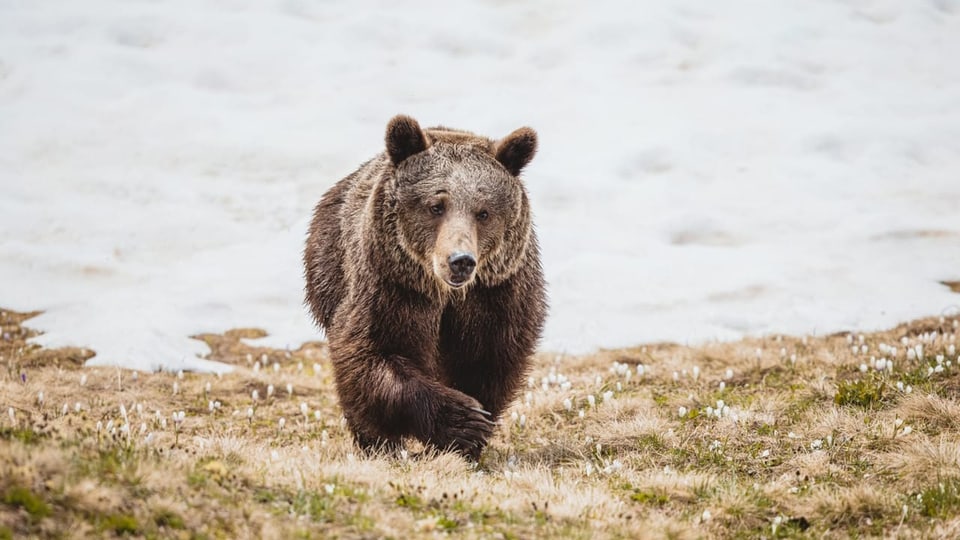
(462, 264)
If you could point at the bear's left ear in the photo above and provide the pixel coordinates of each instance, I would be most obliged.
(404, 138)
(516, 149)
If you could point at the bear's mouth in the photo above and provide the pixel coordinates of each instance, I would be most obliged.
(456, 283)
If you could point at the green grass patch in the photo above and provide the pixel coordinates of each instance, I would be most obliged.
(869, 392)
(24, 435)
(408, 500)
(447, 524)
(317, 506)
(169, 520)
(940, 501)
(649, 498)
(120, 524)
(21, 497)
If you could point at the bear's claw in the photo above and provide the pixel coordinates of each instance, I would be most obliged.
(481, 411)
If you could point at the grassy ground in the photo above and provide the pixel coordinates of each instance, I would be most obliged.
(778, 437)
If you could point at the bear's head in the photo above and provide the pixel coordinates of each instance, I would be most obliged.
(461, 210)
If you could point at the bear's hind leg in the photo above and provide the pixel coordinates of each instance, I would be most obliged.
(377, 445)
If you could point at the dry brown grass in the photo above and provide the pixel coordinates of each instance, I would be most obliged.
(809, 445)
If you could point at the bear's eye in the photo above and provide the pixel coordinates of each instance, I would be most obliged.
(437, 209)
(482, 215)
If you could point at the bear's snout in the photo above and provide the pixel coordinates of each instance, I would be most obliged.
(462, 266)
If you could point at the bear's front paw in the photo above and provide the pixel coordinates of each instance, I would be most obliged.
(463, 426)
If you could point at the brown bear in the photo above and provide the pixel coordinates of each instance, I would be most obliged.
(424, 270)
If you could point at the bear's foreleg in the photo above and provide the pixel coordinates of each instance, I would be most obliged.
(386, 399)
(487, 341)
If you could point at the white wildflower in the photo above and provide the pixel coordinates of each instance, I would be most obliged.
(613, 467)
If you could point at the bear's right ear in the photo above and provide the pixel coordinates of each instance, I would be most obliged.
(404, 138)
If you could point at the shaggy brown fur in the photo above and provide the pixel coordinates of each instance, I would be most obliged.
(424, 270)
